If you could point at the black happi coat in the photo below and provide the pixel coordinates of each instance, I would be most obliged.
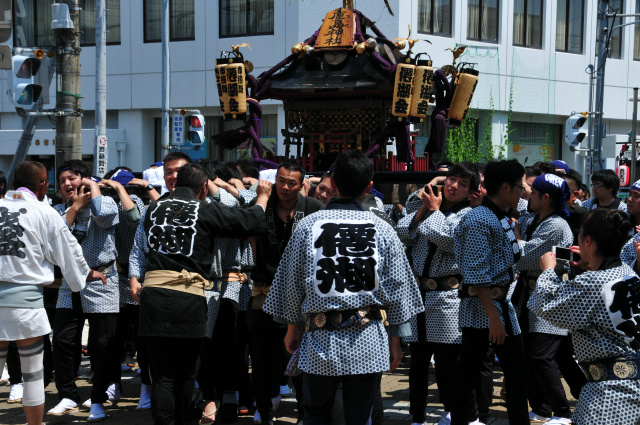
(181, 231)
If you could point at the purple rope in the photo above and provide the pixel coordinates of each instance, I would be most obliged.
(373, 27)
(265, 163)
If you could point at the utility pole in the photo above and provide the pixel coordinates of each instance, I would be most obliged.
(634, 134)
(68, 127)
(100, 151)
(166, 81)
(601, 55)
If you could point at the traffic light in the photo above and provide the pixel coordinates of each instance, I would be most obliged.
(575, 130)
(30, 75)
(196, 130)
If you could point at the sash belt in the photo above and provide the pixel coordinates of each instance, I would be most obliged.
(184, 281)
(334, 320)
(612, 368)
(259, 292)
(444, 283)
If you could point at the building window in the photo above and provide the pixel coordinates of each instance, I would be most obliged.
(636, 36)
(246, 17)
(88, 22)
(434, 17)
(528, 23)
(615, 44)
(570, 26)
(181, 20)
(32, 23)
(484, 20)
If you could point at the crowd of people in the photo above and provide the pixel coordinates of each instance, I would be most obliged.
(239, 281)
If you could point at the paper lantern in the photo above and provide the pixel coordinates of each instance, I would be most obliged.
(402, 89)
(467, 82)
(422, 88)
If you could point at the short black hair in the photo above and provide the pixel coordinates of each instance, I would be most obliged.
(248, 168)
(569, 178)
(576, 176)
(3, 184)
(193, 176)
(545, 167)
(466, 170)
(172, 156)
(532, 171)
(352, 173)
(503, 171)
(27, 175)
(293, 165)
(76, 166)
(608, 178)
(585, 189)
(608, 228)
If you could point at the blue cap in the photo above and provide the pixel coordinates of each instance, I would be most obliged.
(122, 176)
(157, 164)
(562, 165)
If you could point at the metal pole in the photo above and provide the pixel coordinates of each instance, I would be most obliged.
(68, 127)
(588, 159)
(166, 82)
(634, 132)
(100, 159)
(601, 51)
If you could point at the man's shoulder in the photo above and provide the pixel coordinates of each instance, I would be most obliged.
(310, 204)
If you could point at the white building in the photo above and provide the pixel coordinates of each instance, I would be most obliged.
(532, 61)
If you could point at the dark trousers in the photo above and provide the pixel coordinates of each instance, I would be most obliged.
(358, 394)
(447, 358)
(67, 334)
(475, 343)
(245, 397)
(129, 317)
(546, 393)
(484, 389)
(172, 363)
(266, 356)
(220, 363)
(571, 372)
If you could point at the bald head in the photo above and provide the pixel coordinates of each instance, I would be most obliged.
(33, 176)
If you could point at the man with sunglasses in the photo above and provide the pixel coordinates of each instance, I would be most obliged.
(605, 185)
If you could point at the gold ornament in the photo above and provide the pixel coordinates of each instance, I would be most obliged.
(248, 66)
(402, 44)
(371, 43)
(296, 49)
(361, 48)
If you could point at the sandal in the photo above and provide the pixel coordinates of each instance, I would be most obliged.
(209, 418)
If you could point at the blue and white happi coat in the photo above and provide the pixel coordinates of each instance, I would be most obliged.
(125, 234)
(584, 307)
(442, 308)
(99, 249)
(552, 231)
(591, 204)
(344, 258)
(486, 257)
(628, 254)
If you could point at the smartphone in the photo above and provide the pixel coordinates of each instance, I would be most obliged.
(437, 189)
(565, 254)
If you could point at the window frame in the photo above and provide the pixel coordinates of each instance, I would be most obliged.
(525, 26)
(479, 29)
(437, 34)
(566, 32)
(617, 21)
(247, 21)
(171, 37)
(109, 43)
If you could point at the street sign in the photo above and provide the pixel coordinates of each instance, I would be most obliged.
(101, 158)
(177, 129)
